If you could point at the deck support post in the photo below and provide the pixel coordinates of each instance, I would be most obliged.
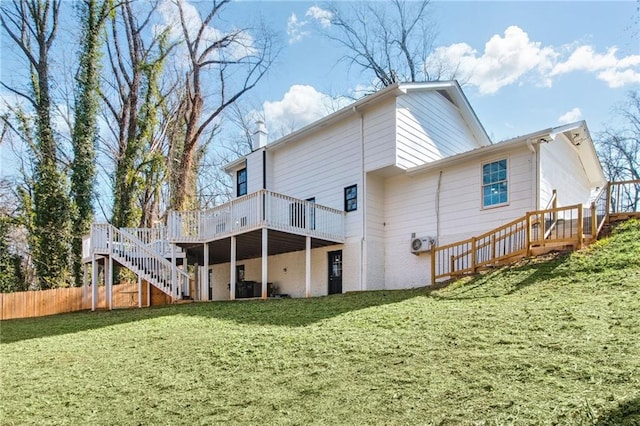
(109, 284)
(232, 283)
(580, 227)
(265, 260)
(94, 281)
(108, 273)
(473, 255)
(594, 222)
(608, 204)
(307, 264)
(204, 289)
(527, 242)
(174, 277)
(433, 266)
(139, 291)
(85, 285)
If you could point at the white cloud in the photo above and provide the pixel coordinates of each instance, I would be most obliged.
(570, 116)
(616, 72)
(301, 105)
(241, 47)
(321, 15)
(504, 60)
(616, 78)
(514, 58)
(295, 26)
(295, 29)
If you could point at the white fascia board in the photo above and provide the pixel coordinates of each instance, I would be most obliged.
(334, 117)
(468, 155)
(323, 122)
(466, 110)
(235, 165)
(578, 135)
(586, 151)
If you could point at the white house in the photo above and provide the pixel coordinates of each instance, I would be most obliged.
(335, 206)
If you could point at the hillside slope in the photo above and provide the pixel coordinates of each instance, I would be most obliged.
(544, 342)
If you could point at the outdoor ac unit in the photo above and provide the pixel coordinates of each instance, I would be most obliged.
(421, 244)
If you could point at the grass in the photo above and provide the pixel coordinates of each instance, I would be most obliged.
(543, 342)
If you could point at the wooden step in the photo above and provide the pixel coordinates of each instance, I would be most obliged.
(551, 246)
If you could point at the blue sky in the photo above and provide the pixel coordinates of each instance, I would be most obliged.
(532, 65)
(527, 65)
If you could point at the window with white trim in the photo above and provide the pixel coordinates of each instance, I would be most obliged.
(495, 184)
(241, 188)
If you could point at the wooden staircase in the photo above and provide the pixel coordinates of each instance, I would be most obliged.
(538, 232)
(147, 259)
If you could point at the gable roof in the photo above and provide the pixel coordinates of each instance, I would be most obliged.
(577, 133)
(451, 90)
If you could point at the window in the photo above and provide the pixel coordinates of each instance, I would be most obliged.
(351, 198)
(494, 183)
(242, 182)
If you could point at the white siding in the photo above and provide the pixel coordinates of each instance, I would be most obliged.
(286, 271)
(429, 128)
(374, 254)
(410, 207)
(321, 166)
(254, 171)
(561, 169)
(380, 135)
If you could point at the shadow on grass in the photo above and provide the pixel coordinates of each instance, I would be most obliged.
(507, 279)
(54, 325)
(627, 413)
(274, 312)
(301, 312)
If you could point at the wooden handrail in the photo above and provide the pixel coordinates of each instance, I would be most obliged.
(465, 252)
(511, 239)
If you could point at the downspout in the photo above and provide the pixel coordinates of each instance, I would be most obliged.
(536, 174)
(438, 209)
(363, 256)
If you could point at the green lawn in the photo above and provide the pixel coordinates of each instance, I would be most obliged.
(555, 342)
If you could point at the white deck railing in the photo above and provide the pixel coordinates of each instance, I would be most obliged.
(136, 249)
(253, 211)
(154, 238)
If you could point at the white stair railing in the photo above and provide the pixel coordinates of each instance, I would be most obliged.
(154, 238)
(134, 254)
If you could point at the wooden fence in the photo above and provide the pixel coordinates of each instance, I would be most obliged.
(26, 304)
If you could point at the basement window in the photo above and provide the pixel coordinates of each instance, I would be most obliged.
(494, 184)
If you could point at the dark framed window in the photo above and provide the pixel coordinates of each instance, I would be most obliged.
(495, 184)
(241, 186)
(351, 198)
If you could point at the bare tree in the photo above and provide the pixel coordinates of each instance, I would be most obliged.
(32, 25)
(619, 150)
(392, 39)
(136, 59)
(214, 185)
(222, 67)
